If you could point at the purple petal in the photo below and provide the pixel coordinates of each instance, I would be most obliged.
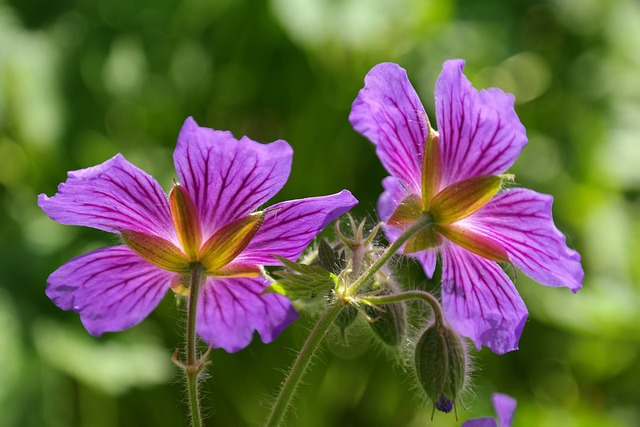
(520, 220)
(387, 203)
(394, 193)
(427, 260)
(389, 113)
(480, 301)
(505, 408)
(480, 133)
(290, 226)
(230, 310)
(113, 196)
(480, 422)
(112, 288)
(228, 178)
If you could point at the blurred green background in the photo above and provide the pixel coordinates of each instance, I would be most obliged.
(81, 80)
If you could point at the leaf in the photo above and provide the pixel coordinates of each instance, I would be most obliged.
(329, 258)
(301, 281)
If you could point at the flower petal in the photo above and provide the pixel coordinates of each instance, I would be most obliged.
(480, 422)
(112, 288)
(389, 113)
(520, 220)
(230, 310)
(228, 178)
(480, 301)
(427, 260)
(290, 226)
(394, 193)
(505, 408)
(113, 196)
(388, 202)
(480, 133)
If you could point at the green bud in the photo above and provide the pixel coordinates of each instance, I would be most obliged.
(441, 365)
(388, 322)
(346, 317)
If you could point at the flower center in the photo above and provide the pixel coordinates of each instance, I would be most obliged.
(444, 208)
(216, 255)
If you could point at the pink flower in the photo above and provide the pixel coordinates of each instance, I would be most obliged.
(209, 219)
(452, 178)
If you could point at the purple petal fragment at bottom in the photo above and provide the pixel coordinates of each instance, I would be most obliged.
(290, 226)
(230, 310)
(505, 407)
(480, 422)
(480, 301)
(112, 288)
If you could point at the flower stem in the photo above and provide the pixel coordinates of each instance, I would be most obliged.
(406, 295)
(424, 221)
(193, 366)
(282, 402)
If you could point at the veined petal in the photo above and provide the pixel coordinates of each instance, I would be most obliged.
(480, 133)
(227, 243)
(228, 178)
(230, 310)
(480, 301)
(290, 226)
(112, 288)
(520, 220)
(389, 113)
(112, 196)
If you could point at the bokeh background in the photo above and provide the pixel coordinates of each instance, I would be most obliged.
(81, 80)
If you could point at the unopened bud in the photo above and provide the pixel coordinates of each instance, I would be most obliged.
(346, 317)
(441, 365)
(388, 322)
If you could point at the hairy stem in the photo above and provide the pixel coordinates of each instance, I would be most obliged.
(194, 366)
(406, 295)
(424, 221)
(282, 402)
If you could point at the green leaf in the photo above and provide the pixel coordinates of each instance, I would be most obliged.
(301, 281)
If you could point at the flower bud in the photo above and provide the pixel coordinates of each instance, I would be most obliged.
(388, 322)
(441, 365)
(346, 317)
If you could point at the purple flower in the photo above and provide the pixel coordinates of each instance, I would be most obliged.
(452, 178)
(504, 405)
(209, 218)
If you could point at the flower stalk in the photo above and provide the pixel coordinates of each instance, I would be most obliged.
(194, 367)
(299, 368)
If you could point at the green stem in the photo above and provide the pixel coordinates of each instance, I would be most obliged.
(406, 295)
(193, 366)
(424, 221)
(281, 405)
